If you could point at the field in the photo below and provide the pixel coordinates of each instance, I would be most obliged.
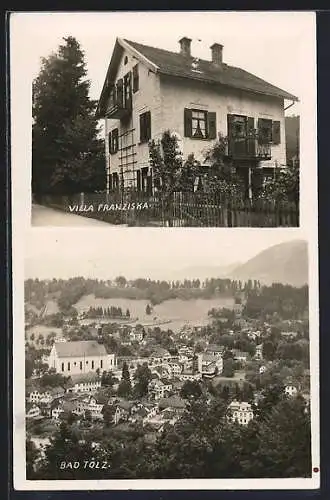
(174, 313)
(42, 330)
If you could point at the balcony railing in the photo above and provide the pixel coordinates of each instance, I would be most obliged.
(248, 148)
(119, 104)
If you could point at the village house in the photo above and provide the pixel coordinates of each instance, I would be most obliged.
(159, 356)
(86, 382)
(240, 412)
(258, 353)
(83, 356)
(209, 365)
(32, 410)
(240, 355)
(215, 350)
(159, 389)
(148, 90)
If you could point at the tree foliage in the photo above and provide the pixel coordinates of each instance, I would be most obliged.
(67, 154)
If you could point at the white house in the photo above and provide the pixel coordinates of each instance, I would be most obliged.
(240, 412)
(83, 356)
(290, 390)
(32, 411)
(148, 90)
(86, 382)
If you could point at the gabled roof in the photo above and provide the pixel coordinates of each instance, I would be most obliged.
(175, 64)
(80, 348)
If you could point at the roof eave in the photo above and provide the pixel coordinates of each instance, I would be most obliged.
(285, 95)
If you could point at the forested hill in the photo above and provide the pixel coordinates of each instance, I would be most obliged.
(66, 293)
(285, 263)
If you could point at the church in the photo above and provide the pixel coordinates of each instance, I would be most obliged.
(84, 356)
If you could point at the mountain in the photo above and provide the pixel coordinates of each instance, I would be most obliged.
(202, 272)
(285, 263)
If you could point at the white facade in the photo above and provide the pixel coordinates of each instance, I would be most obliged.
(240, 412)
(74, 364)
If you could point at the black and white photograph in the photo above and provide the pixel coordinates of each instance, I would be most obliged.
(164, 251)
(169, 365)
(199, 125)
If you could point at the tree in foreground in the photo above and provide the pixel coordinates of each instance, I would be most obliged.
(67, 154)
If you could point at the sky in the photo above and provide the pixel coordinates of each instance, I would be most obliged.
(143, 252)
(268, 44)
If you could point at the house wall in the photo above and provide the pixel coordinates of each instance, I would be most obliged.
(166, 99)
(147, 98)
(178, 94)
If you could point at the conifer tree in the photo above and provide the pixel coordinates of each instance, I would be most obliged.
(67, 154)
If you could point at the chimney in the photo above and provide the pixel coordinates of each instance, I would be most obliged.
(185, 46)
(216, 50)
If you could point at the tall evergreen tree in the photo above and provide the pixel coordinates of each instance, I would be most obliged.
(67, 154)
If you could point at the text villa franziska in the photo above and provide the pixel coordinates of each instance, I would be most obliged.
(104, 207)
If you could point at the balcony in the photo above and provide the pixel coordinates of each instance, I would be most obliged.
(247, 148)
(120, 103)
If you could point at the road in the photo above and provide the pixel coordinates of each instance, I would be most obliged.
(45, 216)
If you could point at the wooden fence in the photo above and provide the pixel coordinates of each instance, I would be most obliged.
(178, 210)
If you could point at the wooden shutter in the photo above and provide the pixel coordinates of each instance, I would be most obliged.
(138, 180)
(142, 127)
(187, 122)
(136, 78)
(211, 125)
(148, 125)
(276, 132)
(110, 142)
(230, 134)
(115, 140)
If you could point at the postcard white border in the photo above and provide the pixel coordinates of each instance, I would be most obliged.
(21, 203)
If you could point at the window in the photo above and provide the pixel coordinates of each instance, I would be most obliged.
(62, 367)
(145, 127)
(125, 60)
(92, 365)
(80, 365)
(101, 363)
(87, 362)
(135, 78)
(113, 141)
(264, 131)
(69, 366)
(200, 124)
(127, 91)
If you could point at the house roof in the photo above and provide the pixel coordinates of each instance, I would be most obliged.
(174, 64)
(80, 348)
(215, 348)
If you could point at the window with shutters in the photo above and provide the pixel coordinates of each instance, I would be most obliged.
(145, 127)
(199, 124)
(135, 78)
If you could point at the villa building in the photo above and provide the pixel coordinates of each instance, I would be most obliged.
(149, 90)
